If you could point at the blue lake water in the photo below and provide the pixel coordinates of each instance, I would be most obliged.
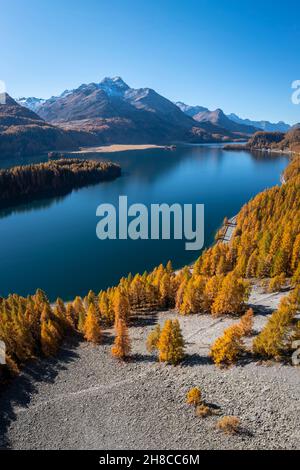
(52, 243)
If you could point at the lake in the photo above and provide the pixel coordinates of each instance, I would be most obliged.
(52, 243)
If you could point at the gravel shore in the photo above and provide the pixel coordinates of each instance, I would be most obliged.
(84, 399)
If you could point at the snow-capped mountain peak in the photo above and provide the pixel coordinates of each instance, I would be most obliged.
(31, 103)
(113, 86)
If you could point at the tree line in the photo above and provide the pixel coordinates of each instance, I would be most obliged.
(267, 238)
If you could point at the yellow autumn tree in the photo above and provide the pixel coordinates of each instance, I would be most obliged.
(122, 346)
(228, 348)
(92, 329)
(153, 339)
(165, 290)
(277, 283)
(171, 343)
(121, 305)
(80, 313)
(231, 297)
(274, 339)
(71, 316)
(50, 338)
(246, 323)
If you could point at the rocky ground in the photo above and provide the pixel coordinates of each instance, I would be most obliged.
(84, 399)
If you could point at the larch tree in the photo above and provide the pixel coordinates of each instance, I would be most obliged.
(171, 344)
(228, 348)
(153, 339)
(121, 305)
(92, 329)
(274, 340)
(50, 338)
(122, 347)
(231, 297)
(246, 323)
(80, 313)
(71, 316)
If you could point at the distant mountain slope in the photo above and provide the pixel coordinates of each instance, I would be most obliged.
(22, 132)
(31, 103)
(218, 118)
(202, 114)
(190, 110)
(264, 125)
(120, 114)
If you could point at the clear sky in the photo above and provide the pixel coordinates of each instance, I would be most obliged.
(239, 55)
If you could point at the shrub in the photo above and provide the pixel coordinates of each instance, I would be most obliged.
(204, 410)
(229, 424)
(194, 397)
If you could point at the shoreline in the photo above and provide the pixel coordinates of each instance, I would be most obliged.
(116, 148)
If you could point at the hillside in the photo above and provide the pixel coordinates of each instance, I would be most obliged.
(23, 132)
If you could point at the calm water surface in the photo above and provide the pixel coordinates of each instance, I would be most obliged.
(52, 243)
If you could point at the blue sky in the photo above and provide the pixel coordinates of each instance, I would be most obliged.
(241, 56)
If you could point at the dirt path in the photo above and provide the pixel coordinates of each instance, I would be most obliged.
(229, 230)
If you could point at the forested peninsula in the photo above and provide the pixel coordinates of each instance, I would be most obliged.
(54, 178)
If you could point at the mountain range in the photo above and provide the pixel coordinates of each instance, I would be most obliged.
(120, 114)
(201, 114)
(111, 112)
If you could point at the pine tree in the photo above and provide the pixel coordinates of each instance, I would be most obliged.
(122, 347)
